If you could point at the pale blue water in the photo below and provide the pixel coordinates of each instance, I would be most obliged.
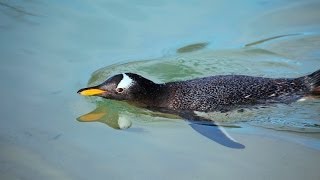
(50, 49)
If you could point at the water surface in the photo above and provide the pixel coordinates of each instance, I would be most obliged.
(49, 50)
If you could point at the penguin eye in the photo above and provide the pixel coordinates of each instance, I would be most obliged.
(119, 90)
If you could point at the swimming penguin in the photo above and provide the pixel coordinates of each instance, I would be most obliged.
(215, 93)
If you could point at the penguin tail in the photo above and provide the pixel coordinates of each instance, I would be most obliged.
(314, 81)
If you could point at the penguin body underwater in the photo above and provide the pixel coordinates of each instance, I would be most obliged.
(214, 93)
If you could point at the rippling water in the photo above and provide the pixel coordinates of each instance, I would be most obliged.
(49, 50)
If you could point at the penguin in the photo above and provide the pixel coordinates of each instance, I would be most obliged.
(214, 93)
(208, 94)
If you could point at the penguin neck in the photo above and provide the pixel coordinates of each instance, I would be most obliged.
(156, 95)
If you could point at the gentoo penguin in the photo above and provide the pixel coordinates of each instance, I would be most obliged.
(214, 93)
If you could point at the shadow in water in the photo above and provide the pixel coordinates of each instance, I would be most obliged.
(17, 9)
(117, 120)
(192, 47)
(270, 39)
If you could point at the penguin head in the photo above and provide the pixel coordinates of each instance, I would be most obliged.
(125, 86)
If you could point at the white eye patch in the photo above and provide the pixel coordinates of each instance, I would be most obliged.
(126, 82)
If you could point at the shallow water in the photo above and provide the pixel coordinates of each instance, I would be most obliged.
(49, 51)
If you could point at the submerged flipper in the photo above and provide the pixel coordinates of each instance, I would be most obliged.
(211, 130)
(217, 134)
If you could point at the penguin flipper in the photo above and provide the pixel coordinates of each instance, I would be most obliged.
(217, 134)
(211, 130)
(206, 127)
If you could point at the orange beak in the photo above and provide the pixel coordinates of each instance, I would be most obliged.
(91, 91)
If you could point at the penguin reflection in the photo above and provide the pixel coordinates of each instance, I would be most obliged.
(107, 115)
(114, 118)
